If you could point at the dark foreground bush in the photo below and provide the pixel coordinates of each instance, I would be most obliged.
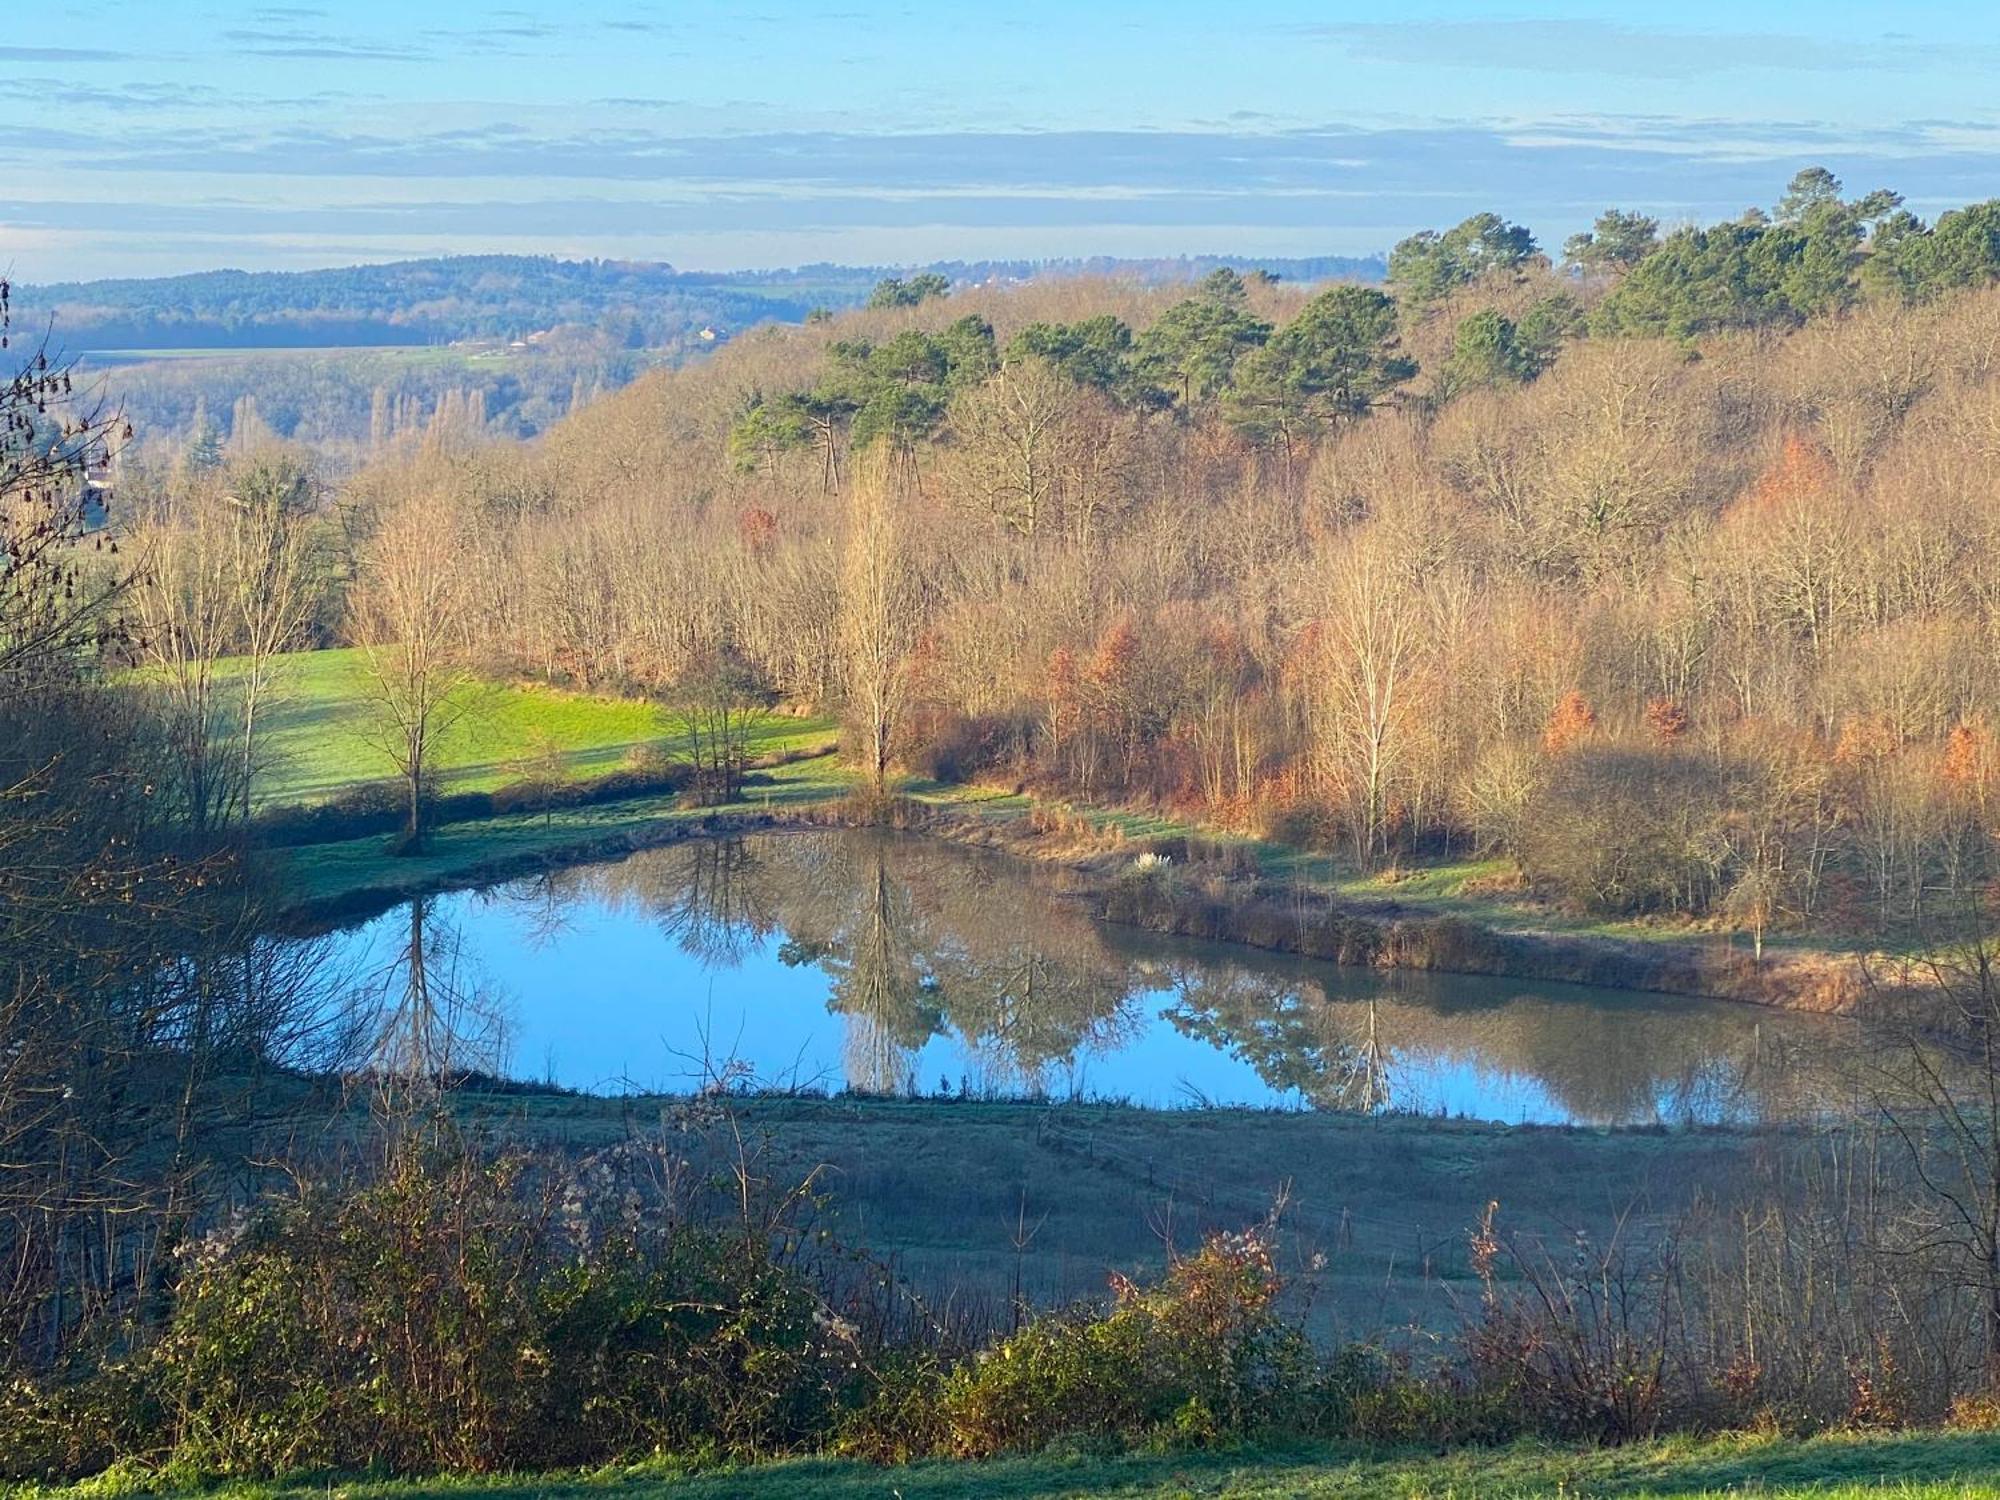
(461, 1311)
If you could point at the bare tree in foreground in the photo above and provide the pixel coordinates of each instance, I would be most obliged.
(1937, 1089)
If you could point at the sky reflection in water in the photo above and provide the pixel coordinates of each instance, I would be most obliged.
(894, 965)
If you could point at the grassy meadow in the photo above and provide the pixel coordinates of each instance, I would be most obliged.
(322, 732)
(466, 853)
(1381, 1205)
(1843, 1466)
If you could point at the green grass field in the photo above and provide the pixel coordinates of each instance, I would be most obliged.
(1917, 1466)
(460, 854)
(321, 736)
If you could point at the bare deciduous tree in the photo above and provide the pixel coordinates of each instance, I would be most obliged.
(410, 607)
(881, 607)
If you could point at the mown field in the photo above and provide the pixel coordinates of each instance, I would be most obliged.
(322, 733)
(461, 854)
(1846, 1466)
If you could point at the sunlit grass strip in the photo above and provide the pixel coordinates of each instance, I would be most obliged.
(1841, 1466)
(320, 734)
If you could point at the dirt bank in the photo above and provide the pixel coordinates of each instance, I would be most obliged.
(1191, 899)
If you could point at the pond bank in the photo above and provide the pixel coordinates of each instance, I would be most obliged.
(1211, 899)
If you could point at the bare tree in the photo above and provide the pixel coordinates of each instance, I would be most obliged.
(226, 588)
(275, 568)
(720, 701)
(1935, 1082)
(881, 611)
(186, 607)
(1371, 651)
(410, 605)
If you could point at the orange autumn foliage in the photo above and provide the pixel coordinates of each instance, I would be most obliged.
(1117, 649)
(1801, 471)
(1968, 756)
(1573, 720)
(1864, 739)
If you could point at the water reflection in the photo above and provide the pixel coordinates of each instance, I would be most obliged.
(890, 964)
(1433, 1044)
(433, 1019)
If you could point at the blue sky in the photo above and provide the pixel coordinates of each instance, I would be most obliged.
(138, 138)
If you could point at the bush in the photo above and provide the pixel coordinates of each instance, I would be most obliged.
(1197, 1357)
(1622, 830)
(61, 1428)
(902, 1416)
(478, 1312)
(958, 747)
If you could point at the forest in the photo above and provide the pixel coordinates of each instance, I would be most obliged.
(1651, 575)
(1654, 569)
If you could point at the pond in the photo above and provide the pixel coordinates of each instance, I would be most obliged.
(890, 964)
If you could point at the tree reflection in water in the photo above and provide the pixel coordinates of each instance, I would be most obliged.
(916, 942)
(433, 1020)
(1374, 1042)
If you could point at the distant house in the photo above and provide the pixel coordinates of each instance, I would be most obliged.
(99, 483)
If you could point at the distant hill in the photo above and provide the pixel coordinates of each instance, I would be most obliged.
(635, 304)
(324, 353)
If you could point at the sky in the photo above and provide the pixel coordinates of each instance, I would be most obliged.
(143, 137)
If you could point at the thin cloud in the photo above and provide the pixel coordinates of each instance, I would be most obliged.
(1615, 49)
(290, 42)
(61, 55)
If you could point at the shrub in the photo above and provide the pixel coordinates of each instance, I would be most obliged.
(1201, 1355)
(901, 1418)
(1620, 829)
(63, 1427)
(475, 1312)
(958, 747)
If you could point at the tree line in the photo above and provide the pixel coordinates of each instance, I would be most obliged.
(1676, 614)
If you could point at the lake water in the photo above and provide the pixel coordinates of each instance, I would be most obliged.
(895, 965)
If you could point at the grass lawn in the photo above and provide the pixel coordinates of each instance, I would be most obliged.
(320, 736)
(1918, 1466)
(463, 853)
